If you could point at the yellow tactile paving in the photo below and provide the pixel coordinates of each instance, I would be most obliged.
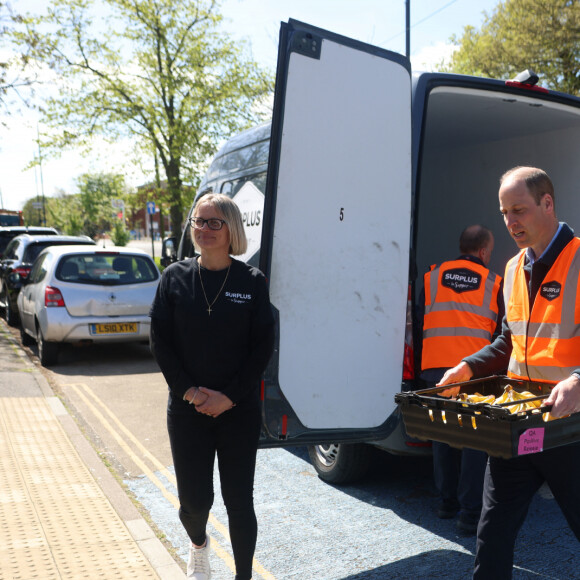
(55, 521)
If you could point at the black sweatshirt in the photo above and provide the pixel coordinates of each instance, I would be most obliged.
(226, 350)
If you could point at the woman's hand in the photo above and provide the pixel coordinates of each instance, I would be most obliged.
(214, 404)
(194, 396)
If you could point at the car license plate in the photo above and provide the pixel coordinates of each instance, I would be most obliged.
(114, 328)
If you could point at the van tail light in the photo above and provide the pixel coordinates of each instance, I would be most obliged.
(22, 271)
(408, 357)
(526, 87)
(53, 297)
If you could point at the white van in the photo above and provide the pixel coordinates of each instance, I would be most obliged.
(372, 174)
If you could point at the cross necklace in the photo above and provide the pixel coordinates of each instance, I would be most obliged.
(220, 290)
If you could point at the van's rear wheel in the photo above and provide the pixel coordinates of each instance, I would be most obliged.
(341, 462)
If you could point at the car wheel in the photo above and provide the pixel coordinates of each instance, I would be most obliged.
(25, 338)
(12, 317)
(47, 351)
(341, 463)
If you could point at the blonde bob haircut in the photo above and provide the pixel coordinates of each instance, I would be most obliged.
(230, 212)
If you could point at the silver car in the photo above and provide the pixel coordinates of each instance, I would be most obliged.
(83, 294)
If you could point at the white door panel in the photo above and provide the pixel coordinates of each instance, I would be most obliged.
(340, 231)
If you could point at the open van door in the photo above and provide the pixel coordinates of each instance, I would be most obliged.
(335, 239)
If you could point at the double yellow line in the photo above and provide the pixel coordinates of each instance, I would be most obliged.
(121, 435)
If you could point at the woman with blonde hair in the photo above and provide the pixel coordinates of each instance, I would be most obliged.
(212, 334)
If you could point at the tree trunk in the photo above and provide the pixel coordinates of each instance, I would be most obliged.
(174, 189)
(159, 197)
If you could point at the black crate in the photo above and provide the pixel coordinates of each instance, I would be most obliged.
(490, 428)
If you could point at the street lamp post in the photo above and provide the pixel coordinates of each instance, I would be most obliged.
(41, 179)
(408, 28)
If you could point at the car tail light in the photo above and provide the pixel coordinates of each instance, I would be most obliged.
(22, 271)
(53, 297)
(408, 357)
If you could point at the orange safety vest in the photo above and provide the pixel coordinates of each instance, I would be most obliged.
(461, 312)
(546, 342)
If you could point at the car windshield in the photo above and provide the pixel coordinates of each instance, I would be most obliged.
(32, 251)
(106, 269)
(4, 241)
(9, 220)
(7, 235)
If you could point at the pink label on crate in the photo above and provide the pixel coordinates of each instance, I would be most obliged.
(531, 441)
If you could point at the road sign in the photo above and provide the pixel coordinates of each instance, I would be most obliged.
(151, 211)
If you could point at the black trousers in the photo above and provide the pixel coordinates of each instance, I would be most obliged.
(509, 487)
(195, 441)
(459, 475)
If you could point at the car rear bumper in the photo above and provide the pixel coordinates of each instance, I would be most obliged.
(58, 326)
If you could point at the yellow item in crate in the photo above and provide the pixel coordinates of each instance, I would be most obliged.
(509, 395)
(476, 398)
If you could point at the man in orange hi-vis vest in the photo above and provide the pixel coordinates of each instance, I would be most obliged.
(540, 341)
(463, 308)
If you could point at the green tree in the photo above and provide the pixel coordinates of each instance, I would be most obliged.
(543, 35)
(135, 203)
(158, 71)
(63, 211)
(33, 212)
(66, 213)
(4, 21)
(96, 193)
(119, 234)
(16, 73)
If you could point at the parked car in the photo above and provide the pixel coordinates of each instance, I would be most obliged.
(77, 294)
(17, 261)
(9, 232)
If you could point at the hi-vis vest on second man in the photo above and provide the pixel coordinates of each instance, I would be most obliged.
(461, 312)
(546, 342)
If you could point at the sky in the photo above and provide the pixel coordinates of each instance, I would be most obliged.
(378, 22)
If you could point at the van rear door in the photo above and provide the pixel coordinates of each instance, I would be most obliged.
(335, 240)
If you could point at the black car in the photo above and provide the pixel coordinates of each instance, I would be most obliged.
(7, 233)
(16, 263)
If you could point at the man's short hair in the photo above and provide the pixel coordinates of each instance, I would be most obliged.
(537, 181)
(473, 238)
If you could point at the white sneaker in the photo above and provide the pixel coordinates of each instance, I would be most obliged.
(198, 563)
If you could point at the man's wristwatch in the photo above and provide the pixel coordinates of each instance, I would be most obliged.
(576, 374)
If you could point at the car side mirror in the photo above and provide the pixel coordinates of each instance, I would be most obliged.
(168, 252)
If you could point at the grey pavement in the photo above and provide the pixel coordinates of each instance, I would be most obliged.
(62, 513)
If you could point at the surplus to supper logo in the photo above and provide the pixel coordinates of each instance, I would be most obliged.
(238, 297)
(551, 290)
(461, 280)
